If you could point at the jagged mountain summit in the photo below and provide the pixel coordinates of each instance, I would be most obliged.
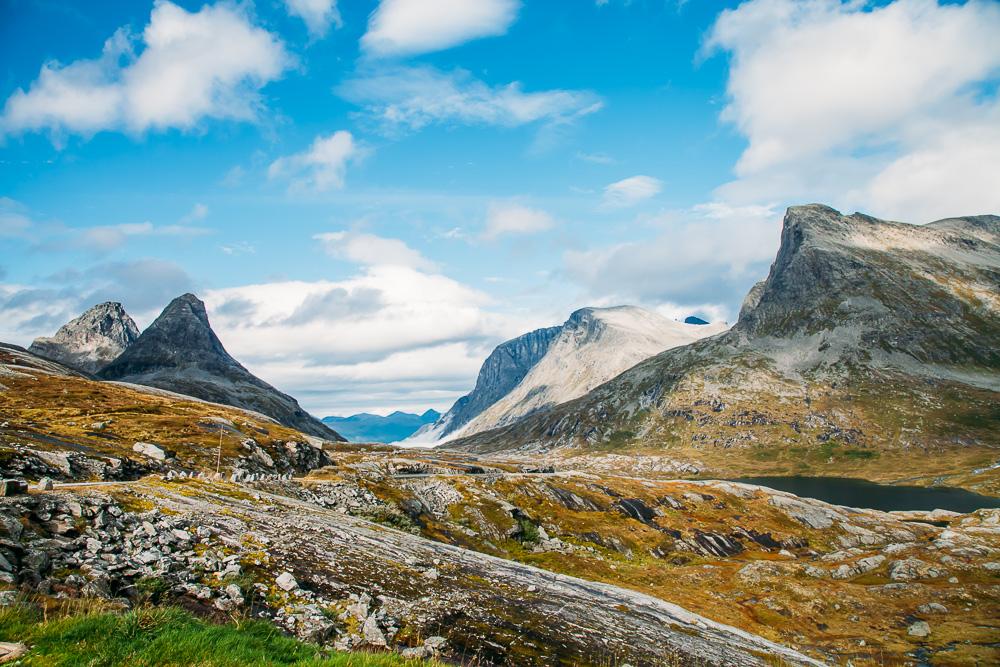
(554, 365)
(179, 352)
(92, 340)
(867, 339)
(366, 427)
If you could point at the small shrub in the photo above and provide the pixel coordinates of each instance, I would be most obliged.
(152, 589)
(527, 531)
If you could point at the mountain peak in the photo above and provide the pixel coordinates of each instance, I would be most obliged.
(180, 352)
(92, 340)
(554, 365)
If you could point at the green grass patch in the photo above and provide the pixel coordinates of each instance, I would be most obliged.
(166, 637)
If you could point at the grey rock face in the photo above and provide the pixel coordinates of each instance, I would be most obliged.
(92, 340)
(502, 371)
(896, 288)
(179, 352)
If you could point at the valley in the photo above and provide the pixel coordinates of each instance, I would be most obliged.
(580, 506)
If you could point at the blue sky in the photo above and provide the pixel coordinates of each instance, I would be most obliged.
(370, 195)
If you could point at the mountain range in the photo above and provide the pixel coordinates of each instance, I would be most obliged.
(868, 337)
(178, 352)
(550, 366)
(366, 427)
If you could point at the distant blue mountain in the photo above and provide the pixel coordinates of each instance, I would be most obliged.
(691, 319)
(366, 427)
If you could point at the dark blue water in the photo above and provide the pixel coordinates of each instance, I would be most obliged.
(885, 497)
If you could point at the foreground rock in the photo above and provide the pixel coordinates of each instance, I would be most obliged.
(203, 537)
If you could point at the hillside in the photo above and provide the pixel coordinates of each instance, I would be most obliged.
(59, 424)
(179, 352)
(868, 350)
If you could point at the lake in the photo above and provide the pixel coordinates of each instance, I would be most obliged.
(885, 497)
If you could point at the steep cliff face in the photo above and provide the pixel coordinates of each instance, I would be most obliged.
(179, 352)
(894, 326)
(91, 341)
(502, 371)
(881, 291)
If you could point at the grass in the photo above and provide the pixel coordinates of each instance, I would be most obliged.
(166, 637)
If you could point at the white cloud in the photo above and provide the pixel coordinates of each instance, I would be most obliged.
(372, 250)
(845, 101)
(104, 238)
(631, 191)
(14, 219)
(954, 170)
(238, 248)
(389, 336)
(414, 97)
(197, 212)
(320, 167)
(207, 64)
(595, 158)
(704, 258)
(407, 27)
(318, 15)
(513, 218)
(144, 286)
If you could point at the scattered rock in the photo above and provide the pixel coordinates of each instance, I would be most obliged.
(286, 581)
(11, 651)
(149, 449)
(913, 568)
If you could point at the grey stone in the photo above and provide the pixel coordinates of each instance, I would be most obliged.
(286, 581)
(149, 449)
(919, 629)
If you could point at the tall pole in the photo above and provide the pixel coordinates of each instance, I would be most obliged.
(218, 458)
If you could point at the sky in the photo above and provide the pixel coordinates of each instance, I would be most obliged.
(371, 195)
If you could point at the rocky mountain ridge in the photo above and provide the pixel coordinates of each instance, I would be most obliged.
(855, 310)
(593, 345)
(92, 340)
(179, 352)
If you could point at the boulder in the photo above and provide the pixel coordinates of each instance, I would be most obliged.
(152, 451)
(286, 581)
(913, 568)
(372, 632)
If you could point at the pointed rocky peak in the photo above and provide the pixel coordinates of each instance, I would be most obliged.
(180, 352)
(92, 340)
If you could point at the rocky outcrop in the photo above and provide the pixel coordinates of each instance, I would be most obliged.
(179, 352)
(340, 581)
(91, 341)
